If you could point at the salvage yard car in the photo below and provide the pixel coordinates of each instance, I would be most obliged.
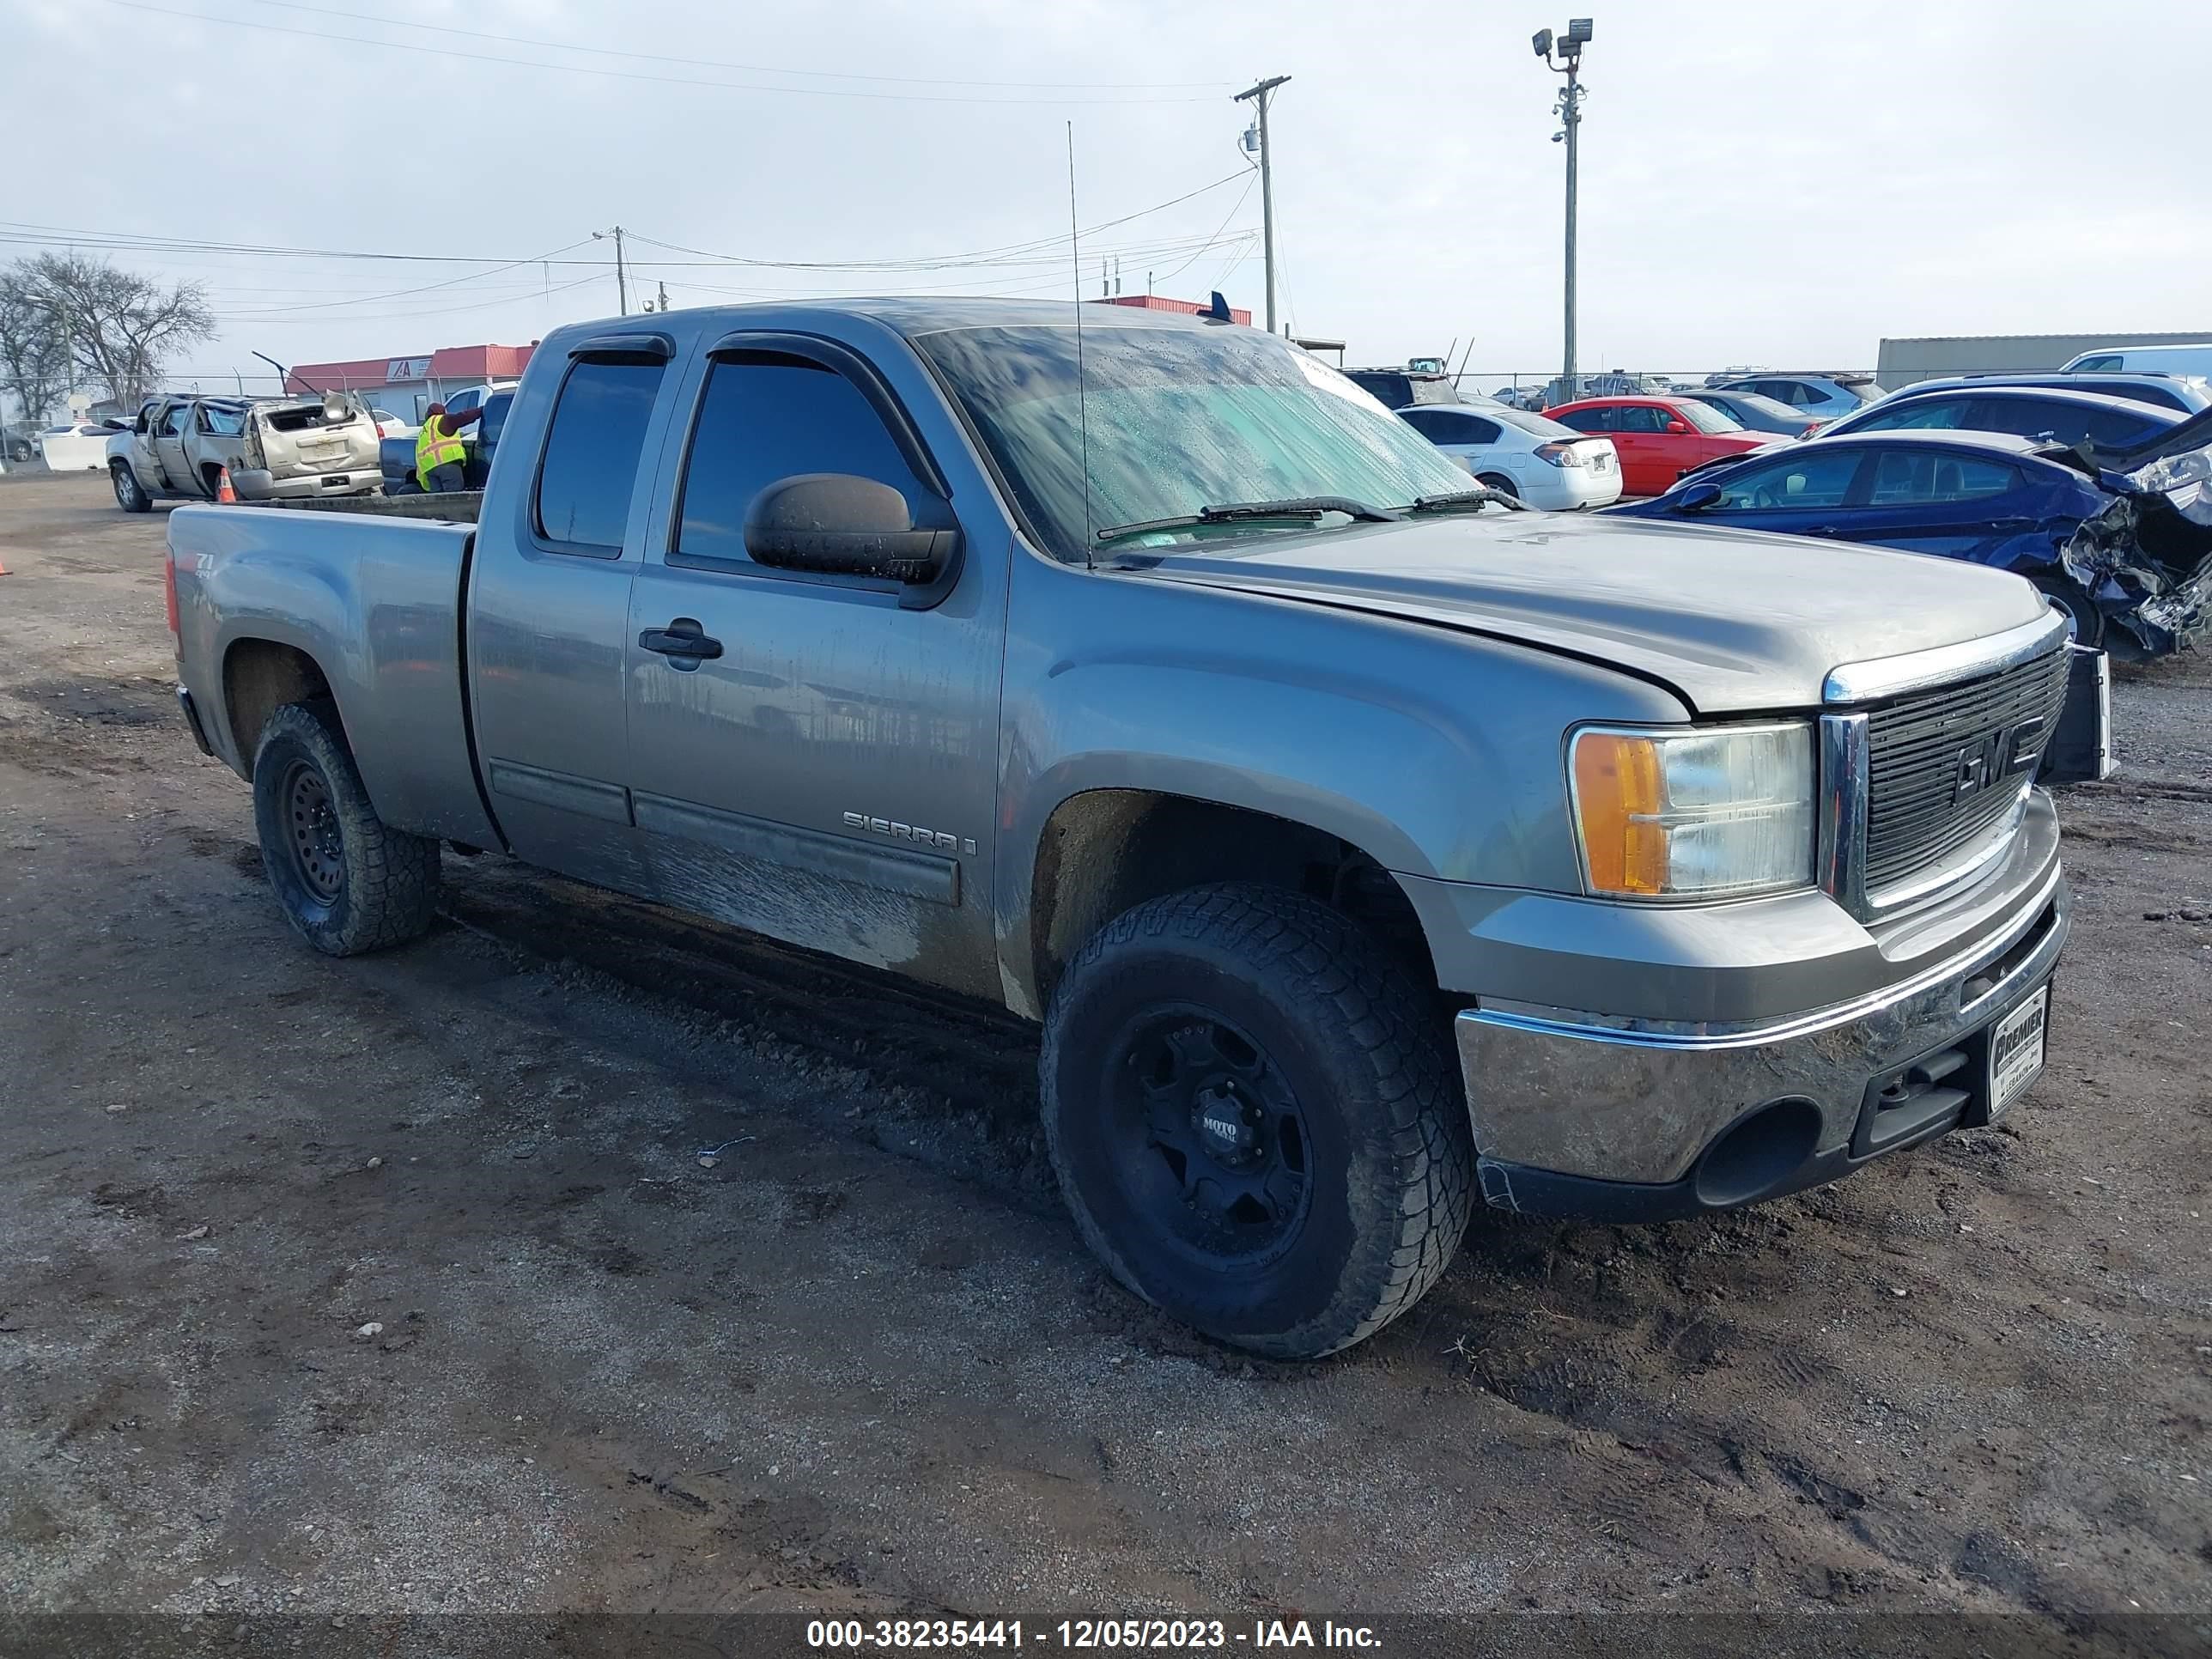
(2138, 587)
(1528, 456)
(275, 448)
(1361, 846)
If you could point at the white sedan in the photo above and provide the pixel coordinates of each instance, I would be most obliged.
(389, 425)
(81, 447)
(1525, 454)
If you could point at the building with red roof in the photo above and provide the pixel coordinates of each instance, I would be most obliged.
(408, 385)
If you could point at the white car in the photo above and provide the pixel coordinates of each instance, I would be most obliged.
(2180, 360)
(80, 446)
(1524, 453)
(389, 425)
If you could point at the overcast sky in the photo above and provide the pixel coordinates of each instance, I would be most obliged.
(1781, 185)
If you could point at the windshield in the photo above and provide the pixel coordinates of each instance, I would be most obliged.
(1706, 418)
(1179, 419)
(1550, 430)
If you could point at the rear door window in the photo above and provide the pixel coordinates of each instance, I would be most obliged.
(1921, 414)
(765, 417)
(1640, 417)
(589, 471)
(1918, 478)
(1589, 420)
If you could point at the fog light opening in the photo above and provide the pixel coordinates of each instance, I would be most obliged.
(1758, 1153)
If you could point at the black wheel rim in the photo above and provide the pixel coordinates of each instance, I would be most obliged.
(1210, 1144)
(312, 824)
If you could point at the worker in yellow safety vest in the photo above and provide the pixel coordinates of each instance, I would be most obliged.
(440, 457)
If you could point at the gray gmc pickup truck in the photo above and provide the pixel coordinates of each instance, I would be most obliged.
(1360, 844)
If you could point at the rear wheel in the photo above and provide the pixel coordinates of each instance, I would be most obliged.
(2085, 624)
(1255, 1127)
(348, 881)
(1500, 483)
(130, 494)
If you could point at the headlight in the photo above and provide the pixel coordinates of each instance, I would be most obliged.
(1681, 812)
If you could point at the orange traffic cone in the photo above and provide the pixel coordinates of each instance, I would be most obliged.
(224, 494)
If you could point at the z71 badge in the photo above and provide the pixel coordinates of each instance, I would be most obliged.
(913, 832)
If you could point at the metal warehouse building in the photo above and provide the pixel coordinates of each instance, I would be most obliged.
(1933, 356)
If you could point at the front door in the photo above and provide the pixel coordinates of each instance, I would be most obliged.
(813, 757)
(1950, 503)
(169, 447)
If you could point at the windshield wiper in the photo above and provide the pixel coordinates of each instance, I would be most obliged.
(1296, 507)
(1481, 497)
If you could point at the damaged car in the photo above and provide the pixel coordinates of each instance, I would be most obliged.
(274, 448)
(2102, 536)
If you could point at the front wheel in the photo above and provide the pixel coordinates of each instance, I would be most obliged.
(1254, 1125)
(130, 494)
(348, 881)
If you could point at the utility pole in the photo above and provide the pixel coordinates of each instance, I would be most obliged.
(1260, 95)
(1568, 109)
(622, 277)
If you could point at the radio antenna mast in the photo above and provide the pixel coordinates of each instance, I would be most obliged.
(1082, 402)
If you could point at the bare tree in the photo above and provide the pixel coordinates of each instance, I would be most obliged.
(33, 357)
(117, 327)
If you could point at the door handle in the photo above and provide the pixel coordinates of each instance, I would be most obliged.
(1819, 530)
(682, 640)
(2008, 526)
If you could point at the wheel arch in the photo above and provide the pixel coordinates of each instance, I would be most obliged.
(259, 677)
(1105, 850)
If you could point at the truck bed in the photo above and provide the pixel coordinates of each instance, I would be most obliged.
(455, 506)
(373, 598)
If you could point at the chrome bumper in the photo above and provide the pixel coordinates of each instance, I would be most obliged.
(1597, 1100)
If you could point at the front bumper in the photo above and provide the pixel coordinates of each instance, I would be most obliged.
(1577, 1114)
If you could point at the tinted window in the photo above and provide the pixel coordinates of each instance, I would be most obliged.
(494, 417)
(1430, 424)
(2111, 360)
(1910, 477)
(1589, 420)
(1640, 417)
(590, 467)
(461, 403)
(1445, 427)
(1814, 478)
(2069, 423)
(766, 418)
(1919, 414)
(1394, 390)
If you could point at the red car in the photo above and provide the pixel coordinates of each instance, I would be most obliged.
(1659, 439)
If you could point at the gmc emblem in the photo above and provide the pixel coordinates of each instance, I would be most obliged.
(2004, 753)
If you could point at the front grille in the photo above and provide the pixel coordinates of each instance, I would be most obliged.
(1944, 766)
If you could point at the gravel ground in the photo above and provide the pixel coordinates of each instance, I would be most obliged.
(398, 1284)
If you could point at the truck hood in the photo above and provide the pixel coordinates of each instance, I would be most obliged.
(1731, 621)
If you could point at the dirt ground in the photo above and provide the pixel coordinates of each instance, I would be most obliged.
(399, 1283)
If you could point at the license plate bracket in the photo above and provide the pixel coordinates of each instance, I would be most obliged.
(2019, 1042)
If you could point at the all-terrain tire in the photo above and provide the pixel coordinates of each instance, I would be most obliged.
(348, 881)
(130, 494)
(1339, 1027)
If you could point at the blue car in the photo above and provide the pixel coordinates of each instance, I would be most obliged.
(2011, 502)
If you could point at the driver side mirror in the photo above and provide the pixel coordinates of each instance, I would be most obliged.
(1695, 498)
(836, 524)
(1677, 427)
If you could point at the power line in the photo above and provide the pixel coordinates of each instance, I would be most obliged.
(628, 74)
(749, 68)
